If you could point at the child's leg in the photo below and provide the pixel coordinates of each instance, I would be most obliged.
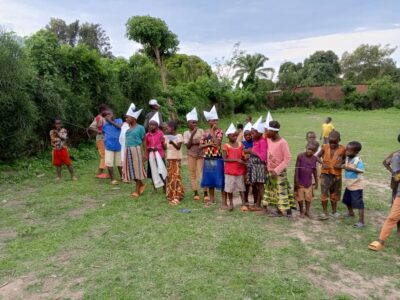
(230, 197)
(301, 207)
(120, 171)
(254, 188)
(392, 219)
(334, 206)
(350, 210)
(242, 197)
(325, 207)
(111, 172)
(224, 201)
(361, 216)
(71, 171)
(246, 194)
(58, 172)
(308, 206)
(212, 192)
(260, 193)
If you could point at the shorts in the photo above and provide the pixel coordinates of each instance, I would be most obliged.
(353, 198)
(234, 183)
(60, 157)
(112, 157)
(331, 187)
(304, 194)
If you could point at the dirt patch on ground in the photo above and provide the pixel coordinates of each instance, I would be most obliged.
(77, 212)
(381, 187)
(51, 287)
(352, 283)
(7, 234)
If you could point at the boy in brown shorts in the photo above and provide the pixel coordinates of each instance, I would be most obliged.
(332, 156)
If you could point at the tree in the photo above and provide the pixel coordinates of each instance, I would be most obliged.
(186, 68)
(289, 75)
(224, 67)
(250, 67)
(368, 62)
(321, 68)
(73, 34)
(154, 35)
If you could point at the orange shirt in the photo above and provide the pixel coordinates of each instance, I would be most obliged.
(337, 157)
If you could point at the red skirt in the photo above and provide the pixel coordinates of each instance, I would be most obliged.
(61, 157)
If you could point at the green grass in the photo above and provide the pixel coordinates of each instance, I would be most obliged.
(87, 239)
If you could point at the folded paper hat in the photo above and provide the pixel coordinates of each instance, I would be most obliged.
(155, 118)
(211, 115)
(259, 125)
(247, 127)
(132, 113)
(192, 116)
(153, 102)
(231, 129)
(269, 119)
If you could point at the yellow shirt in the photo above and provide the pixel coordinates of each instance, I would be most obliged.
(327, 129)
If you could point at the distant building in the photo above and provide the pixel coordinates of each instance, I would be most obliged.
(329, 92)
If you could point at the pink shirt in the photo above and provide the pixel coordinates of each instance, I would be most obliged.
(278, 155)
(155, 140)
(260, 148)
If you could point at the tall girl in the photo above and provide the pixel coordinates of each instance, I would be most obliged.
(213, 168)
(133, 167)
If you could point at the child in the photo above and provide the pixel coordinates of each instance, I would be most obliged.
(154, 148)
(332, 155)
(58, 136)
(277, 187)
(353, 194)
(234, 166)
(175, 191)
(306, 169)
(394, 215)
(191, 139)
(312, 137)
(153, 103)
(213, 168)
(247, 144)
(111, 131)
(97, 126)
(327, 128)
(240, 133)
(256, 163)
(133, 158)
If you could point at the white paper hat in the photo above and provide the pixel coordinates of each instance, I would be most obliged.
(211, 115)
(269, 119)
(132, 113)
(153, 102)
(231, 129)
(259, 125)
(192, 116)
(155, 118)
(247, 127)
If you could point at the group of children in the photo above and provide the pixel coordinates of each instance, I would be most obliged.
(254, 160)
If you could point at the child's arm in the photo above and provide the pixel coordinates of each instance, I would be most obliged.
(145, 148)
(190, 142)
(387, 162)
(315, 174)
(176, 146)
(296, 173)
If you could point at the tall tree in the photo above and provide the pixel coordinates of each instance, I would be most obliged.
(289, 75)
(320, 68)
(250, 67)
(186, 68)
(368, 62)
(155, 36)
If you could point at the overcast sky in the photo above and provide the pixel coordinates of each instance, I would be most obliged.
(282, 30)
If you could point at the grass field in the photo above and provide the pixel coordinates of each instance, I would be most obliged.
(88, 239)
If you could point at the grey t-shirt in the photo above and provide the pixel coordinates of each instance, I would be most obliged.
(395, 164)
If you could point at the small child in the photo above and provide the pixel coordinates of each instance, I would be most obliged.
(112, 130)
(333, 155)
(234, 167)
(154, 148)
(247, 144)
(240, 134)
(277, 188)
(327, 128)
(306, 169)
(353, 194)
(174, 141)
(58, 136)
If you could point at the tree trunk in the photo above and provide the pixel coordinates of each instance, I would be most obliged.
(161, 66)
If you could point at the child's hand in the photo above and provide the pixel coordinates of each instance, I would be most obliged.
(325, 166)
(273, 174)
(316, 185)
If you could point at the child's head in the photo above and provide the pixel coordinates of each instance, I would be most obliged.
(328, 120)
(213, 123)
(273, 133)
(239, 127)
(171, 127)
(334, 138)
(102, 108)
(353, 148)
(109, 112)
(311, 136)
(249, 119)
(192, 124)
(153, 126)
(247, 135)
(57, 124)
(255, 135)
(311, 148)
(232, 137)
(130, 119)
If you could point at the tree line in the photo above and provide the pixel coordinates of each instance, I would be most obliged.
(68, 70)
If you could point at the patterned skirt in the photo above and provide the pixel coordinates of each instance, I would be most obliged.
(255, 170)
(213, 173)
(133, 168)
(174, 181)
(279, 193)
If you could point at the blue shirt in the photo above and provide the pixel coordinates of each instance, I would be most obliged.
(247, 145)
(353, 179)
(111, 136)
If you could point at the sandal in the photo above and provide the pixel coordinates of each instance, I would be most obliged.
(323, 217)
(359, 225)
(347, 215)
(114, 182)
(174, 202)
(376, 246)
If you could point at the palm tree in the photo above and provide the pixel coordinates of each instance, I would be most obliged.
(249, 67)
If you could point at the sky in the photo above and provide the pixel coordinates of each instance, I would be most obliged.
(281, 30)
